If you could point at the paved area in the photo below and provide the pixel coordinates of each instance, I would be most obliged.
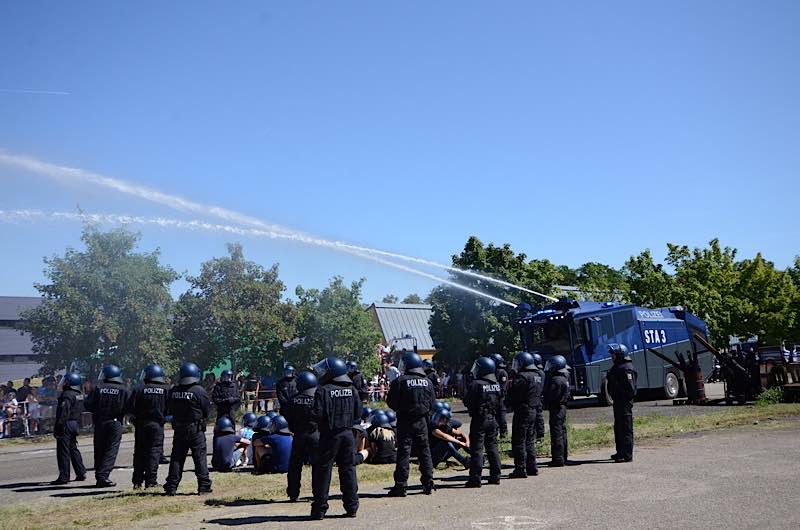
(744, 478)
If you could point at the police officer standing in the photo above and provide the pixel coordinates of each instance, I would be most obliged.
(523, 397)
(226, 396)
(108, 403)
(411, 396)
(306, 435)
(68, 416)
(358, 380)
(483, 403)
(286, 388)
(556, 396)
(433, 377)
(148, 406)
(622, 388)
(538, 423)
(502, 380)
(190, 407)
(336, 408)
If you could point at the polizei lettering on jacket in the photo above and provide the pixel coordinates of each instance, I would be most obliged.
(304, 400)
(342, 392)
(421, 381)
(112, 391)
(183, 395)
(491, 388)
(153, 390)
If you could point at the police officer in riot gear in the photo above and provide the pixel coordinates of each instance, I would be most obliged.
(411, 395)
(286, 387)
(538, 423)
(226, 396)
(336, 407)
(190, 407)
(432, 376)
(502, 380)
(358, 380)
(523, 397)
(108, 403)
(68, 418)
(556, 396)
(148, 406)
(306, 435)
(622, 388)
(483, 403)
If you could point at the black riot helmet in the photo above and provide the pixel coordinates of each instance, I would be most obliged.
(411, 363)
(427, 364)
(352, 367)
(249, 419)
(537, 359)
(499, 360)
(279, 424)
(381, 419)
(189, 374)
(484, 368)
(288, 371)
(523, 361)
(226, 375)
(72, 380)
(153, 373)
(111, 374)
(331, 369)
(392, 417)
(224, 425)
(366, 412)
(263, 424)
(306, 383)
(556, 363)
(619, 352)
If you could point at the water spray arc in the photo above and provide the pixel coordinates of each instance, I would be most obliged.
(10, 216)
(185, 205)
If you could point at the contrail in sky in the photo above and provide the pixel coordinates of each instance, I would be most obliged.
(40, 92)
(64, 173)
(11, 216)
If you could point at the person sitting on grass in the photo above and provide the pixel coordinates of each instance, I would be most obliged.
(246, 432)
(380, 444)
(272, 445)
(446, 439)
(228, 446)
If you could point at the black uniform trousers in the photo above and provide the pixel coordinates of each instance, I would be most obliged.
(502, 424)
(483, 432)
(339, 447)
(67, 451)
(559, 446)
(539, 422)
(188, 437)
(107, 435)
(413, 435)
(148, 447)
(522, 441)
(304, 445)
(623, 428)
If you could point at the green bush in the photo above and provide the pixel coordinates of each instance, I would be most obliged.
(770, 396)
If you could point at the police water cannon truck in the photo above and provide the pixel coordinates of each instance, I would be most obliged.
(581, 332)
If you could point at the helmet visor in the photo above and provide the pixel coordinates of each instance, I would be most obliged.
(321, 369)
(402, 366)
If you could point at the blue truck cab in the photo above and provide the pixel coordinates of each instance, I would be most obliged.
(582, 331)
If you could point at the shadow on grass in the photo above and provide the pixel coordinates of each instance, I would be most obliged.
(264, 519)
(244, 502)
(81, 494)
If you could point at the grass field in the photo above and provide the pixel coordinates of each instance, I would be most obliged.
(117, 510)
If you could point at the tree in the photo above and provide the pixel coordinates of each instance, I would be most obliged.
(648, 284)
(413, 298)
(601, 281)
(104, 304)
(463, 325)
(769, 295)
(389, 299)
(333, 322)
(233, 312)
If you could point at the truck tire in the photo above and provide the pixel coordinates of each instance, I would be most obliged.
(672, 385)
(604, 397)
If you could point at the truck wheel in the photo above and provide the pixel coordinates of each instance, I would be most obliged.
(672, 385)
(604, 397)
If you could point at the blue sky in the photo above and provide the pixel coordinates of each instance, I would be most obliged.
(574, 131)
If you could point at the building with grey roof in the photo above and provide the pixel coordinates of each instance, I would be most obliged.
(404, 324)
(17, 359)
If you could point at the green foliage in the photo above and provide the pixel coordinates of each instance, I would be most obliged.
(107, 299)
(333, 322)
(233, 311)
(390, 299)
(771, 396)
(648, 284)
(413, 298)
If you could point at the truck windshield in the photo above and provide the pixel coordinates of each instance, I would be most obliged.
(551, 338)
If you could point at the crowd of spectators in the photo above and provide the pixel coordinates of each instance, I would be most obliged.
(27, 410)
